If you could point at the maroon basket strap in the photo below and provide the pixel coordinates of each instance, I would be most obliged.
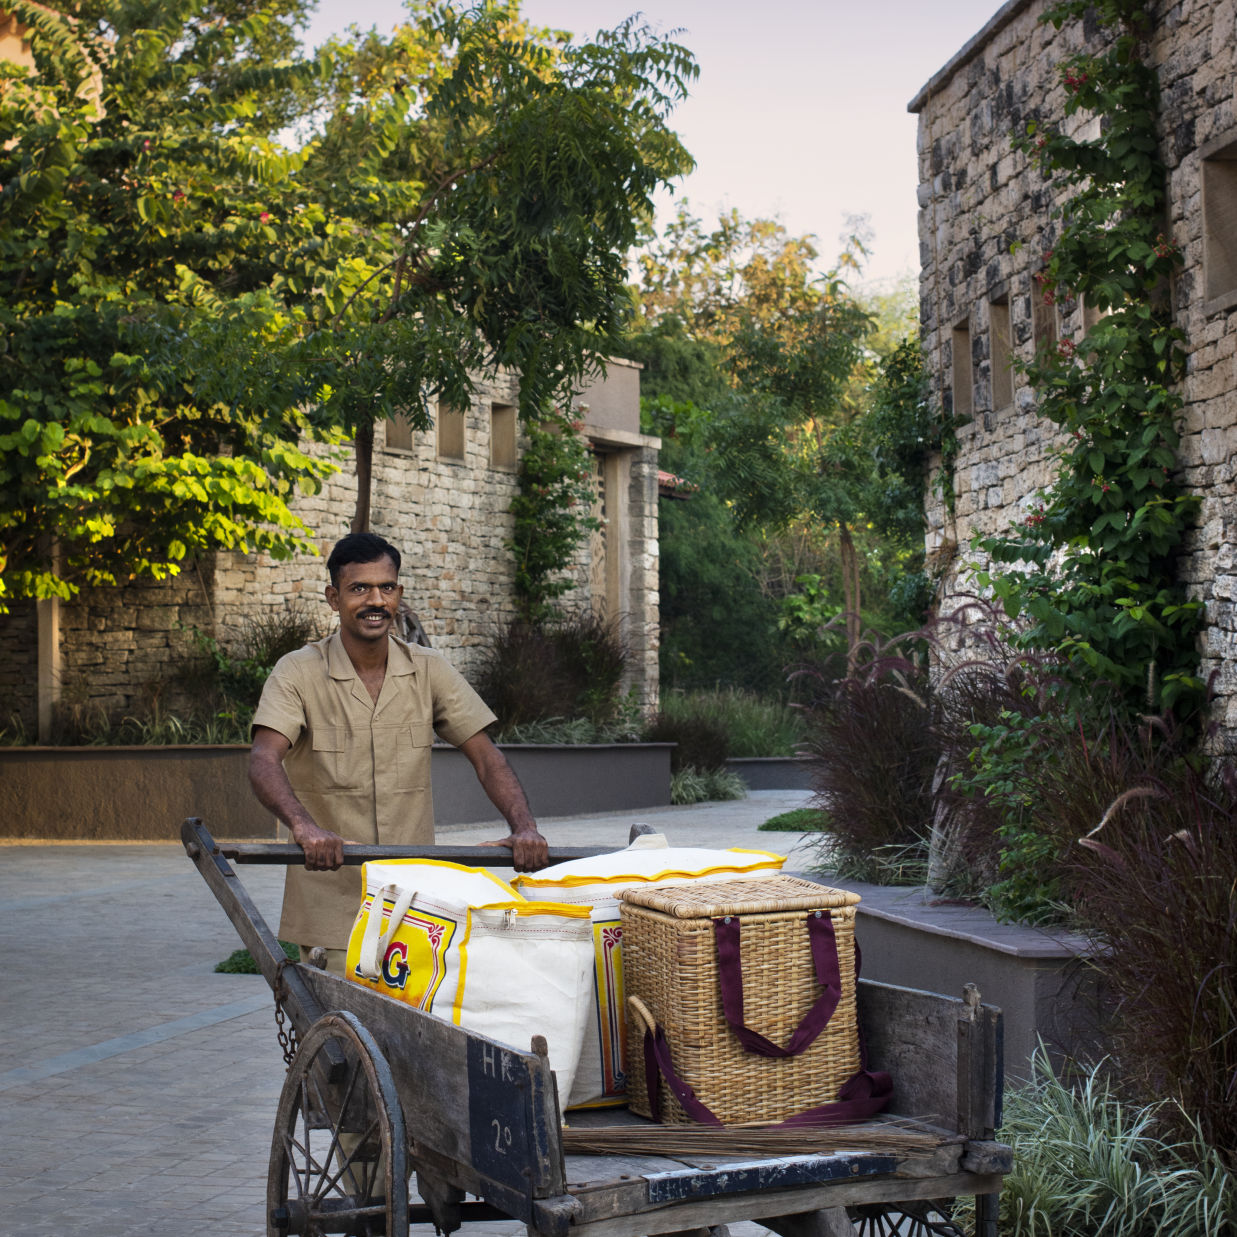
(657, 1065)
(864, 1094)
(726, 933)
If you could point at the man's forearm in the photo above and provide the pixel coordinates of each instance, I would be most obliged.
(274, 792)
(324, 850)
(504, 791)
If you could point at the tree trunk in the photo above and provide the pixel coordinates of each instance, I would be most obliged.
(850, 596)
(364, 476)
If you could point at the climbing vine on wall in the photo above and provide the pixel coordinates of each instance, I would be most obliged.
(552, 510)
(1090, 569)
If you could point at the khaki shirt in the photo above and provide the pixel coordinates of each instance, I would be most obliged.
(362, 769)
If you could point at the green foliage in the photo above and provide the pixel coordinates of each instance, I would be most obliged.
(236, 676)
(125, 200)
(552, 514)
(800, 820)
(1088, 1164)
(189, 301)
(1002, 769)
(692, 785)
(240, 961)
(752, 725)
(624, 727)
(1096, 578)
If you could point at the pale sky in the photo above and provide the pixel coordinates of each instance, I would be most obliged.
(799, 111)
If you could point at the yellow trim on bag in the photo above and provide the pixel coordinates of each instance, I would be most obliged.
(560, 910)
(572, 880)
(458, 1004)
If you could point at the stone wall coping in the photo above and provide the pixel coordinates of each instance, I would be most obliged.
(960, 59)
(96, 749)
(914, 908)
(608, 436)
(755, 760)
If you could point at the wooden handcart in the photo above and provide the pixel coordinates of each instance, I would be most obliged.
(376, 1090)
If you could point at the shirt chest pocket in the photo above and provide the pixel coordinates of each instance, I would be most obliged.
(413, 744)
(341, 759)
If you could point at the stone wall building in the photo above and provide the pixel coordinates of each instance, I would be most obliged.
(441, 496)
(985, 220)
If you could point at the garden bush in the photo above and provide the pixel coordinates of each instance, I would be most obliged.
(754, 725)
(564, 668)
(702, 743)
(1155, 881)
(875, 750)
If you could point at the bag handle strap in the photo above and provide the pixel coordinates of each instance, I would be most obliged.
(726, 934)
(375, 941)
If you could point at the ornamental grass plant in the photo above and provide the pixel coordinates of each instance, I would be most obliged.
(1088, 1163)
(874, 749)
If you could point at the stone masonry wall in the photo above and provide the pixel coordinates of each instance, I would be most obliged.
(984, 224)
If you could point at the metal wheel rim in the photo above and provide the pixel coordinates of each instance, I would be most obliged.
(316, 1185)
(929, 1218)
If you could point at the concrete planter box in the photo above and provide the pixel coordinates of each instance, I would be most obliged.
(773, 772)
(107, 794)
(1040, 980)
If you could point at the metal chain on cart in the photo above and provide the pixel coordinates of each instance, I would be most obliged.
(286, 1034)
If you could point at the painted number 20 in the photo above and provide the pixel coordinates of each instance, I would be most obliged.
(502, 1136)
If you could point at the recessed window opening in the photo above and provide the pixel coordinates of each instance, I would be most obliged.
(399, 433)
(449, 426)
(963, 380)
(1045, 321)
(1000, 348)
(503, 436)
(1219, 173)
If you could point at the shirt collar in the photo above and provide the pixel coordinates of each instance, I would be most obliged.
(339, 665)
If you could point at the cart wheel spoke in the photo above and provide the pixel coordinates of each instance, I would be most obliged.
(339, 1155)
(927, 1218)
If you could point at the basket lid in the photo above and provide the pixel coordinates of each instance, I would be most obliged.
(759, 896)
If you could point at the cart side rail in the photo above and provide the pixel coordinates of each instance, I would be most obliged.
(945, 1054)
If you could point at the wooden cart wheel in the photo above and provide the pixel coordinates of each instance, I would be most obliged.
(339, 1156)
(929, 1218)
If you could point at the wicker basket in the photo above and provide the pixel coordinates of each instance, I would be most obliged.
(670, 965)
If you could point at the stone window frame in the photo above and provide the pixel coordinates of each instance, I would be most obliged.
(1217, 176)
(962, 394)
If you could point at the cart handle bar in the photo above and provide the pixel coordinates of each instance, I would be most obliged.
(289, 853)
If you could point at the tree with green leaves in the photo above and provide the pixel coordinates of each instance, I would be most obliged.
(784, 423)
(190, 303)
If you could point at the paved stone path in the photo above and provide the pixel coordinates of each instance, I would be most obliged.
(137, 1087)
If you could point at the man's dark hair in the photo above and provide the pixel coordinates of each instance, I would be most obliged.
(359, 548)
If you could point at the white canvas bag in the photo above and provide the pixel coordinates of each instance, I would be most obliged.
(460, 943)
(599, 882)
